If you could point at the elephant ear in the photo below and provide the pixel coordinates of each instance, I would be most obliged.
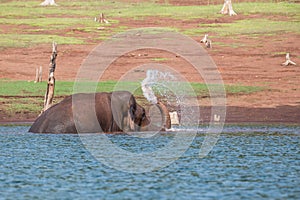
(132, 110)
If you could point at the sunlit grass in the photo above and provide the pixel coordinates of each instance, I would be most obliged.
(79, 15)
(247, 27)
(139, 9)
(22, 105)
(268, 8)
(25, 40)
(50, 22)
(27, 97)
(159, 59)
(63, 88)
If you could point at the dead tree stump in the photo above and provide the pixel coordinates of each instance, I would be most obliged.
(41, 74)
(206, 41)
(48, 3)
(227, 8)
(288, 60)
(101, 19)
(38, 74)
(51, 80)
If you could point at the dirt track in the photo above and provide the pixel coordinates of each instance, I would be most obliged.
(255, 63)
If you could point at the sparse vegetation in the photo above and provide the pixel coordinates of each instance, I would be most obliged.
(250, 27)
(159, 59)
(26, 40)
(77, 15)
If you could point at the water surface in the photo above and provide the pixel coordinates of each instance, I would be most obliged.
(249, 162)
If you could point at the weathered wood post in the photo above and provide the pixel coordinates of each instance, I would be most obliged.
(51, 80)
(48, 2)
(38, 74)
(41, 74)
(206, 41)
(101, 19)
(288, 60)
(227, 8)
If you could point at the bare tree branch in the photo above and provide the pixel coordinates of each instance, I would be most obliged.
(101, 19)
(288, 60)
(38, 74)
(227, 8)
(51, 80)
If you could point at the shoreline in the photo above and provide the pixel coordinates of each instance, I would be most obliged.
(25, 123)
(282, 115)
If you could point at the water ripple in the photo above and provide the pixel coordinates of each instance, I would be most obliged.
(247, 163)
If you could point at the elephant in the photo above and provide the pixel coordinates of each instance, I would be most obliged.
(93, 113)
(100, 112)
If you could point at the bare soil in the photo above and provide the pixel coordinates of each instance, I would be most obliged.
(256, 62)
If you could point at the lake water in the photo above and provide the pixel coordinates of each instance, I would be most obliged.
(249, 162)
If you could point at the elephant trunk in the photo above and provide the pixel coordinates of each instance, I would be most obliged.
(157, 118)
(165, 115)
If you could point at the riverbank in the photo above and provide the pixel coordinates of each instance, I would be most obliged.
(234, 115)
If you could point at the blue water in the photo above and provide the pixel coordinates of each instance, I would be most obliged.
(254, 162)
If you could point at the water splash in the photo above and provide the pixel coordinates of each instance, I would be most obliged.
(175, 92)
(147, 87)
(156, 79)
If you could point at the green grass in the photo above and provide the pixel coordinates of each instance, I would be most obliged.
(32, 9)
(25, 8)
(25, 97)
(112, 8)
(281, 53)
(63, 88)
(23, 105)
(251, 27)
(142, 9)
(202, 89)
(78, 15)
(268, 8)
(232, 45)
(159, 59)
(25, 40)
(241, 89)
(51, 23)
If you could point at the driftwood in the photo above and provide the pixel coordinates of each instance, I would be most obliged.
(206, 41)
(227, 8)
(38, 74)
(288, 60)
(51, 80)
(48, 3)
(101, 19)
